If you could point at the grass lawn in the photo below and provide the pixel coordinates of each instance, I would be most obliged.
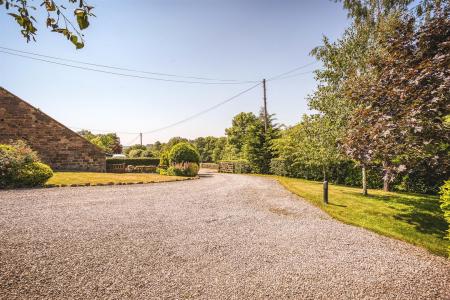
(413, 218)
(83, 178)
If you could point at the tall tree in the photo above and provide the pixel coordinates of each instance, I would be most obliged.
(401, 108)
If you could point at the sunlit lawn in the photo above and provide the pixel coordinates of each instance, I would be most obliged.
(83, 178)
(414, 218)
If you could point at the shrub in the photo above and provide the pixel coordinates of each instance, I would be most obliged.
(132, 161)
(161, 171)
(183, 169)
(20, 167)
(135, 153)
(445, 199)
(183, 152)
(164, 160)
(33, 174)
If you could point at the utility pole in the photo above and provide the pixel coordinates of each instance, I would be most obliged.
(140, 135)
(265, 105)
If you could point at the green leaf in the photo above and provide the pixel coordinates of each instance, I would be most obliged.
(80, 45)
(74, 39)
(79, 12)
(83, 22)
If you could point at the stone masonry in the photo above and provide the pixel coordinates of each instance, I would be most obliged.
(57, 145)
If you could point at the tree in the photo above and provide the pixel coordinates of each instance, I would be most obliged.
(219, 149)
(238, 132)
(401, 108)
(172, 142)
(205, 147)
(110, 142)
(248, 139)
(57, 21)
(134, 147)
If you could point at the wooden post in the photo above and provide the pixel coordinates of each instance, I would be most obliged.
(266, 121)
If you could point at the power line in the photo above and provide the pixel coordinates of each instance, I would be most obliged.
(181, 121)
(204, 111)
(121, 74)
(126, 69)
(292, 76)
(292, 71)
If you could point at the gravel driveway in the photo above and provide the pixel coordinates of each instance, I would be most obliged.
(220, 237)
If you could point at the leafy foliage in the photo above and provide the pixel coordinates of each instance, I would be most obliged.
(20, 167)
(57, 21)
(183, 152)
(109, 143)
(135, 153)
(402, 103)
(247, 139)
(127, 150)
(187, 169)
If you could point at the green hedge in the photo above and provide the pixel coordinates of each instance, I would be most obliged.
(445, 199)
(343, 172)
(239, 166)
(133, 161)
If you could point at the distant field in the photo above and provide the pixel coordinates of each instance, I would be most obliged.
(83, 178)
(413, 218)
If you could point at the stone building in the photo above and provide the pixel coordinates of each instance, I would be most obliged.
(57, 145)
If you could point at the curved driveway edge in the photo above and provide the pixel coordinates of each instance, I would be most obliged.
(221, 237)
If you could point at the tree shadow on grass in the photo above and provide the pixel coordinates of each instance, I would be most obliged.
(423, 212)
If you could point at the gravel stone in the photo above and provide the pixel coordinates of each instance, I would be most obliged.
(221, 237)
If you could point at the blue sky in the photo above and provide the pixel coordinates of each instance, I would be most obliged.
(233, 39)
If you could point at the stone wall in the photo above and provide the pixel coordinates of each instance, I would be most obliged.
(57, 145)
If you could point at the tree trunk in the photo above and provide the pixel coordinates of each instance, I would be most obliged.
(386, 185)
(387, 177)
(325, 187)
(364, 181)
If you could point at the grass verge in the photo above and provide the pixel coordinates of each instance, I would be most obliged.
(414, 218)
(90, 178)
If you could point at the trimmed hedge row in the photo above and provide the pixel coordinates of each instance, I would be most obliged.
(133, 161)
(344, 172)
(235, 166)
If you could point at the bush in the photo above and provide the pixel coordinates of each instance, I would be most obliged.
(183, 152)
(132, 161)
(235, 166)
(135, 153)
(33, 174)
(445, 199)
(183, 169)
(164, 160)
(20, 167)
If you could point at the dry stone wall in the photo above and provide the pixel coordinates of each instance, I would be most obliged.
(57, 145)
